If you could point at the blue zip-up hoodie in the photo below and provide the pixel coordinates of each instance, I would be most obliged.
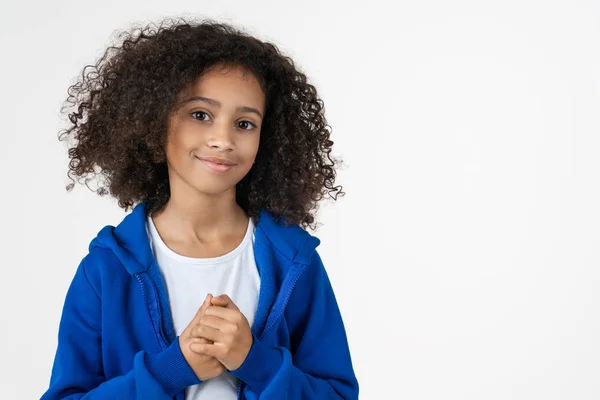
(116, 338)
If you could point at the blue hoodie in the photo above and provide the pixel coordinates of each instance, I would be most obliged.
(116, 338)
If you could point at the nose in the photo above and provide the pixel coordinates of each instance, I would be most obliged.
(220, 136)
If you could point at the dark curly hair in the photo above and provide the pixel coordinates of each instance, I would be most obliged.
(127, 97)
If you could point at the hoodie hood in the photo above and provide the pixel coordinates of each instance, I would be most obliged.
(130, 243)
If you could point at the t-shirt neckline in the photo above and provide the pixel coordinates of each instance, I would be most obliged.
(157, 241)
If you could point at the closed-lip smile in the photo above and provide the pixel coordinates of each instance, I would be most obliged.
(217, 160)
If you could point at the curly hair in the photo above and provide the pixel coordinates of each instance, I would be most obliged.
(123, 104)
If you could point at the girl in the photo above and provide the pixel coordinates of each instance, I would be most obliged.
(220, 147)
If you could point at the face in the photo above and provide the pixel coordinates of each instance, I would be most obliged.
(220, 115)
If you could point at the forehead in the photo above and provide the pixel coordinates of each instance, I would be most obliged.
(228, 84)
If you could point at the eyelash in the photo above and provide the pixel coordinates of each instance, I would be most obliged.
(202, 112)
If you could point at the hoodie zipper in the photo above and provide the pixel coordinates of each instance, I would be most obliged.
(287, 299)
(156, 334)
(264, 332)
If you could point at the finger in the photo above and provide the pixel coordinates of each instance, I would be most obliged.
(205, 304)
(215, 322)
(219, 300)
(226, 313)
(200, 332)
(225, 301)
(203, 340)
(212, 350)
(215, 301)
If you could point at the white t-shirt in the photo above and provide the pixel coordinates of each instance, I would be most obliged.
(189, 279)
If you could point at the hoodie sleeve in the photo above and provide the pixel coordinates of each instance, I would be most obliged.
(318, 364)
(78, 373)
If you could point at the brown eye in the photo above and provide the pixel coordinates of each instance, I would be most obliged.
(198, 112)
(248, 122)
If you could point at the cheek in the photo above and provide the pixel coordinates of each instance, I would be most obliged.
(173, 154)
(179, 147)
(249, 148)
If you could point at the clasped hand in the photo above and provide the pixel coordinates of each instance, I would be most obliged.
(228, 328)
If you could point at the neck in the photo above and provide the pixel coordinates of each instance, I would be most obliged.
(200, 217)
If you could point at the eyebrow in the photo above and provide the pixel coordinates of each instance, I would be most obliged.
(218, 104)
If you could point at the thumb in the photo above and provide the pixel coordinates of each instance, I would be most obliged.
(203, 307)
(224, 300)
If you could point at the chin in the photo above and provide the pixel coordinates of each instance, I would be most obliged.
(214, 185)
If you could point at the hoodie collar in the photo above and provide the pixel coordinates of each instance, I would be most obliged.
(130, 243)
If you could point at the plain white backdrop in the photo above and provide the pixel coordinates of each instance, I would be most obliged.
(465, 255)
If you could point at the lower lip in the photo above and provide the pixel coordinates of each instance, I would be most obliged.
(219, 168)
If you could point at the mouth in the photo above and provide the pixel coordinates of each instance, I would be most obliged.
(216, 167)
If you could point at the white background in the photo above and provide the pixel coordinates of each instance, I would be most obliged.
(465, 254)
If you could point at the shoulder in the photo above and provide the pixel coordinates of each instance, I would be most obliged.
(102, 265)
(291, 240)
